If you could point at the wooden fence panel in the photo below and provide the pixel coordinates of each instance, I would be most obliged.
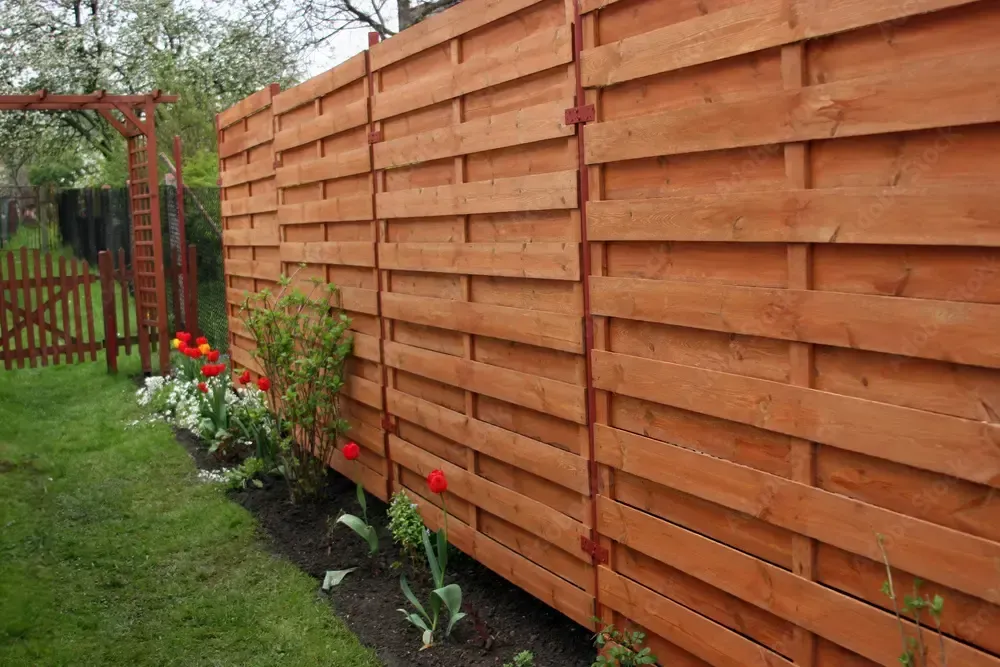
(790, 270)
(791, 287)
(327, 231)
(479, 248)
(250, 234)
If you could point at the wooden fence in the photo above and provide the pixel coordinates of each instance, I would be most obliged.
(688, 389)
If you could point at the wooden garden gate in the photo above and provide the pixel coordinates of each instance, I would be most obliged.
(51, 311)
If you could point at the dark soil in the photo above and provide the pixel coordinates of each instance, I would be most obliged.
(503, 620)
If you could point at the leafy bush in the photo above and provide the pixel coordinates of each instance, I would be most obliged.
(302, 344)
(621, 649)
(522, 659)
(247, 473)
(406, 525)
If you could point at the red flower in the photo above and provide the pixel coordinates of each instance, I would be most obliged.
(201, 340)
(263, 384)
(193, 352)
(245, 378)
(183, 336)
(351, 451)
(437, 481)
(202, 387)
(213, 356)
(211, 370)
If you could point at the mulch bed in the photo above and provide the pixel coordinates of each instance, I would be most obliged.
(503, 619)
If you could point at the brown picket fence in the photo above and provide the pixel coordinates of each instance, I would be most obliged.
(691, 300)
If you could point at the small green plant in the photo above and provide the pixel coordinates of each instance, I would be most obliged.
(248, 473)
(253, 421)
(914, 649)
(406, 525)
(214, 406)
(621, 649)
(437, 558)
(361, 526)
(302, 345)
(522, 659)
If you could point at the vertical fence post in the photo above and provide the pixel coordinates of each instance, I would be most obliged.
(191, 280)
(105, 264)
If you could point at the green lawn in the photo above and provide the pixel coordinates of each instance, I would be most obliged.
(112, 553)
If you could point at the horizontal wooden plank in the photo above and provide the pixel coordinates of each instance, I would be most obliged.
(924, 94)
(441, 27)
(363, 391)
(349, 253)
(842, 619)
(538, 192)
(350, 70)
(259, 236)
(333, 209)
(238, 327)
(244, 359)
(356, 299)
(551, 330)
(250, 205)
(537, 393)
(539, 582)
(957, 447)
(555, 261)
(253, 268)
(956, 331)
(246, 141)
(366, 347)
(509, 505)
(333, 122)
(337, 165)
(536, 457)
(366, 435)
(254, 171)
(246, 107)
(513, 128)
(904, 215)
(714, 643)
(542, 50)
(373, 482)
(736, 30)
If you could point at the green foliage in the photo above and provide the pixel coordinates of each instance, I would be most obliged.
(201, 170)
(406, 525)
(361, 525)
(522, 659)
(302, 345)
(449, 595)
(61, 170)
(248, 473)
(914, 652)
(621, 649)
(253, 420)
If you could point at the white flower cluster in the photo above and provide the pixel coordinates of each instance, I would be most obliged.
(178, 402)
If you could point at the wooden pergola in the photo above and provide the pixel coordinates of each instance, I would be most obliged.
(134, 118)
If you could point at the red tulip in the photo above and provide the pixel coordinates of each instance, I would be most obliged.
(351, 451)
(437, 481)
(193, 352)
(263, 384)
(213, 356)
(212, 370)
(201, 340)
(202, 387)
(183, 336)
(245, 378)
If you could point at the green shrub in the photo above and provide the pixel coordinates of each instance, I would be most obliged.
(406, 525)
(522, 659)
(302, 344)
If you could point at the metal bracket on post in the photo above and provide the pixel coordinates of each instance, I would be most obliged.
(598, 554)
(375, 136)
(582, 114)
